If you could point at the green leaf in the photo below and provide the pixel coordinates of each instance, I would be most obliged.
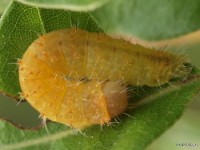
(134, 131)
(20, 26)
(77, 5)
(150, 20)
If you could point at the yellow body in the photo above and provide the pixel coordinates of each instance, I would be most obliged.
(64, 74)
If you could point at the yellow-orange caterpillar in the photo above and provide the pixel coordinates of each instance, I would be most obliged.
(79, 78)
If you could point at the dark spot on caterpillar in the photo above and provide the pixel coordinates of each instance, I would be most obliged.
(85, 79)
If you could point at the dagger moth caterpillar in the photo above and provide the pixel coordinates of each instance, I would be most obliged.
(79, 78)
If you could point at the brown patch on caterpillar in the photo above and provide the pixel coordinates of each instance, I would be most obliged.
(75, 77)
(115, 94)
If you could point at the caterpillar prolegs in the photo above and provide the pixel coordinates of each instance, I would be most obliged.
(79, 78)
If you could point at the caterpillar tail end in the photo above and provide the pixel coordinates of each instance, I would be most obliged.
(116, 97)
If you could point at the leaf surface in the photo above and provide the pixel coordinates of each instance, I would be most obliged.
(75, 5)
(150, 20)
